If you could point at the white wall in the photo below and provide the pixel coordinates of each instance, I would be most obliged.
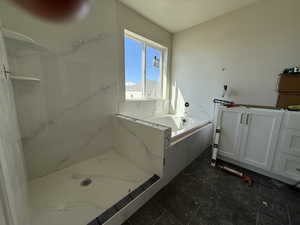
(130, 20)
(253, 45)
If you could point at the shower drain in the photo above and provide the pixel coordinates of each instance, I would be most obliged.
(86, 182)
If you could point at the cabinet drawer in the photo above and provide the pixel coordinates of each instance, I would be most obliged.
(291, 142)
(293, 120)
(290, 167)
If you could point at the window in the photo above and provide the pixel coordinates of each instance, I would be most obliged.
(144, 68)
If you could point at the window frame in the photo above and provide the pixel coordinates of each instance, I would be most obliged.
(163, 66)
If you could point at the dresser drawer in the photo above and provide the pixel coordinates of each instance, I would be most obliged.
(289, 166)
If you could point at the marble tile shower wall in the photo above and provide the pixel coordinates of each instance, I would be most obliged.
(142, 143)
(71, 109)
(66, 117)
(13, 184)
(142, 109)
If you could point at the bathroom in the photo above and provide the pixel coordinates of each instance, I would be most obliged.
(101, 113)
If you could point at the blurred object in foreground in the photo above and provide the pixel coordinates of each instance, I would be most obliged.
(55, 10)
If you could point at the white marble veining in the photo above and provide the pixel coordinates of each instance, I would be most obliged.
(59, 198)
(66, 117)
(68, 120)
(142, 142)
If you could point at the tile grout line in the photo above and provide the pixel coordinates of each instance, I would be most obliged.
(183, 192)
(129, 222)
(167, 211)
(257, 217)
(289, 214)
(192, 217)
(158, 218)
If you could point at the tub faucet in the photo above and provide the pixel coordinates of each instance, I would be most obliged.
(184, 118)
(186, 105)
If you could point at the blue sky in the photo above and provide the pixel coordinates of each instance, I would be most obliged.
(133, 62)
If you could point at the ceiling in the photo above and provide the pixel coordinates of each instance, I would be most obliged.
(178, 15)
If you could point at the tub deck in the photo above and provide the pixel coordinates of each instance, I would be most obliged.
(180, 130)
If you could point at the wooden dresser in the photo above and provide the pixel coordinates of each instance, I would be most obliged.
(289, 90)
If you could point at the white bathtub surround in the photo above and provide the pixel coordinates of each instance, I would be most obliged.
(145, 108)
(12, 170)
(175, 122)
(181, 126)
(59, 198)
(188, 140)
(186, 149)
(143, 143)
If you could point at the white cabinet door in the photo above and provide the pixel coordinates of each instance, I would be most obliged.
(230, 121)
(260, 134)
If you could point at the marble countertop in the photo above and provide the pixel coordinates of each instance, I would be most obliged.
(61, 198)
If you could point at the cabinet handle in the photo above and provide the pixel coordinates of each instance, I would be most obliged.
(242, 118)
(247, 120)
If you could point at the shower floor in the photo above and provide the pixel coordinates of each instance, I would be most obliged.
(78, 194)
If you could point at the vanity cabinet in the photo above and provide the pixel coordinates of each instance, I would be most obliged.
(249, 135)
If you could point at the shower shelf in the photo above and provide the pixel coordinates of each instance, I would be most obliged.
(13, 76)
(17, 36)
(21, 78)
(22, 41)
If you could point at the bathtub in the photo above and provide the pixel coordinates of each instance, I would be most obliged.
(182, 127)
(188, 140)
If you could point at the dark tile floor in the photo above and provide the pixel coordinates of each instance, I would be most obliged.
(202, 195)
